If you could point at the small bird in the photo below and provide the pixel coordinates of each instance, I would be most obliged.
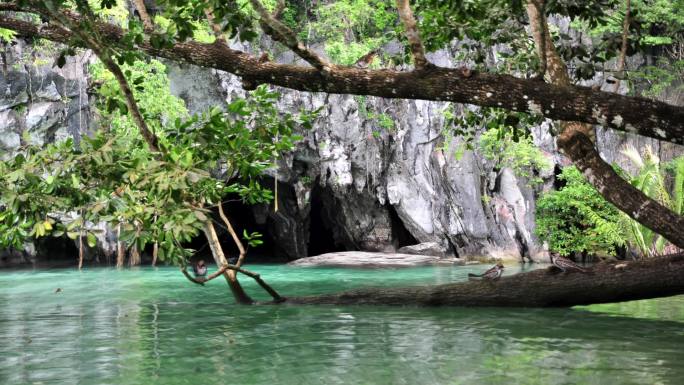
(564, 263)
(493, 273)
(200, 269)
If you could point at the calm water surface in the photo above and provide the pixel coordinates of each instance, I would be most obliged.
(151, 326)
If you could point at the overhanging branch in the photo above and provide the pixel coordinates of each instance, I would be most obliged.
(637, 115)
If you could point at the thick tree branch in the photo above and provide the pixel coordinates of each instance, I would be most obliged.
(637, 115)
(606, 282)
(621, 193)
(284, 35)
(409, 21)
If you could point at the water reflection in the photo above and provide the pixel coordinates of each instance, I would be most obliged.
(135, 327)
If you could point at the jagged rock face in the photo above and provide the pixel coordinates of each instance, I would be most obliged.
(378, 187)
(40, 102)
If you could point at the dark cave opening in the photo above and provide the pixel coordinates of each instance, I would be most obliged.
(558, 183)
(400, 234)
(321, 239)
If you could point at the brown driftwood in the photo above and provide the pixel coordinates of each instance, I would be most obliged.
(604, 283)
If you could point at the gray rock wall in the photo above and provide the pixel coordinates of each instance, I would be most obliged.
(381, 187)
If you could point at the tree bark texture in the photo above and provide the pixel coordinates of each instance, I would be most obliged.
(604, 283)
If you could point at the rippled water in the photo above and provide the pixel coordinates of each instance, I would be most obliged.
(151, 326)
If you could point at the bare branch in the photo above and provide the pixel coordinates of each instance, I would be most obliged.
(191, 278)
(623, 49)
(144, 16)
(215, 27)
(201, 281)
(239, 293)
(284, 35)
(234, 235)
(278, 11)
(412, 34)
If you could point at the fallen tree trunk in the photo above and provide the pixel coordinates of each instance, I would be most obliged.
(604, 283)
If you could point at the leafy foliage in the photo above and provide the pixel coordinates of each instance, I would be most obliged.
(7, 35)
(651, 179)
(351, 29)
(114, 178)
(576, 218)
(505, 139)
(151, 90)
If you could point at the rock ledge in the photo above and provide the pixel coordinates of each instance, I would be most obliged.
(366, 259)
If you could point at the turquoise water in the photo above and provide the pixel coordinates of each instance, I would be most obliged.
(151, 326)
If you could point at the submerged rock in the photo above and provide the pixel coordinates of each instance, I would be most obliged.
(366, 259)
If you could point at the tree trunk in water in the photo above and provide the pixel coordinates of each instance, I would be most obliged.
(80, 250)
(231, 276)
(134, 256)
(120, 251)
(604, 283)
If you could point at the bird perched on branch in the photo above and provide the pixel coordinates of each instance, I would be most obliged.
(493, 273)
(565, 264)
(200, 269)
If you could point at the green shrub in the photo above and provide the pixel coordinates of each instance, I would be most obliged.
(576, 218)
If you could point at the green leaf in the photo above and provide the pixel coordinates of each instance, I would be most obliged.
(92, 239)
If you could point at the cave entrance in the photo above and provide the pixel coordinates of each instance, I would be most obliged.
(400, 234)
(321, 239)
